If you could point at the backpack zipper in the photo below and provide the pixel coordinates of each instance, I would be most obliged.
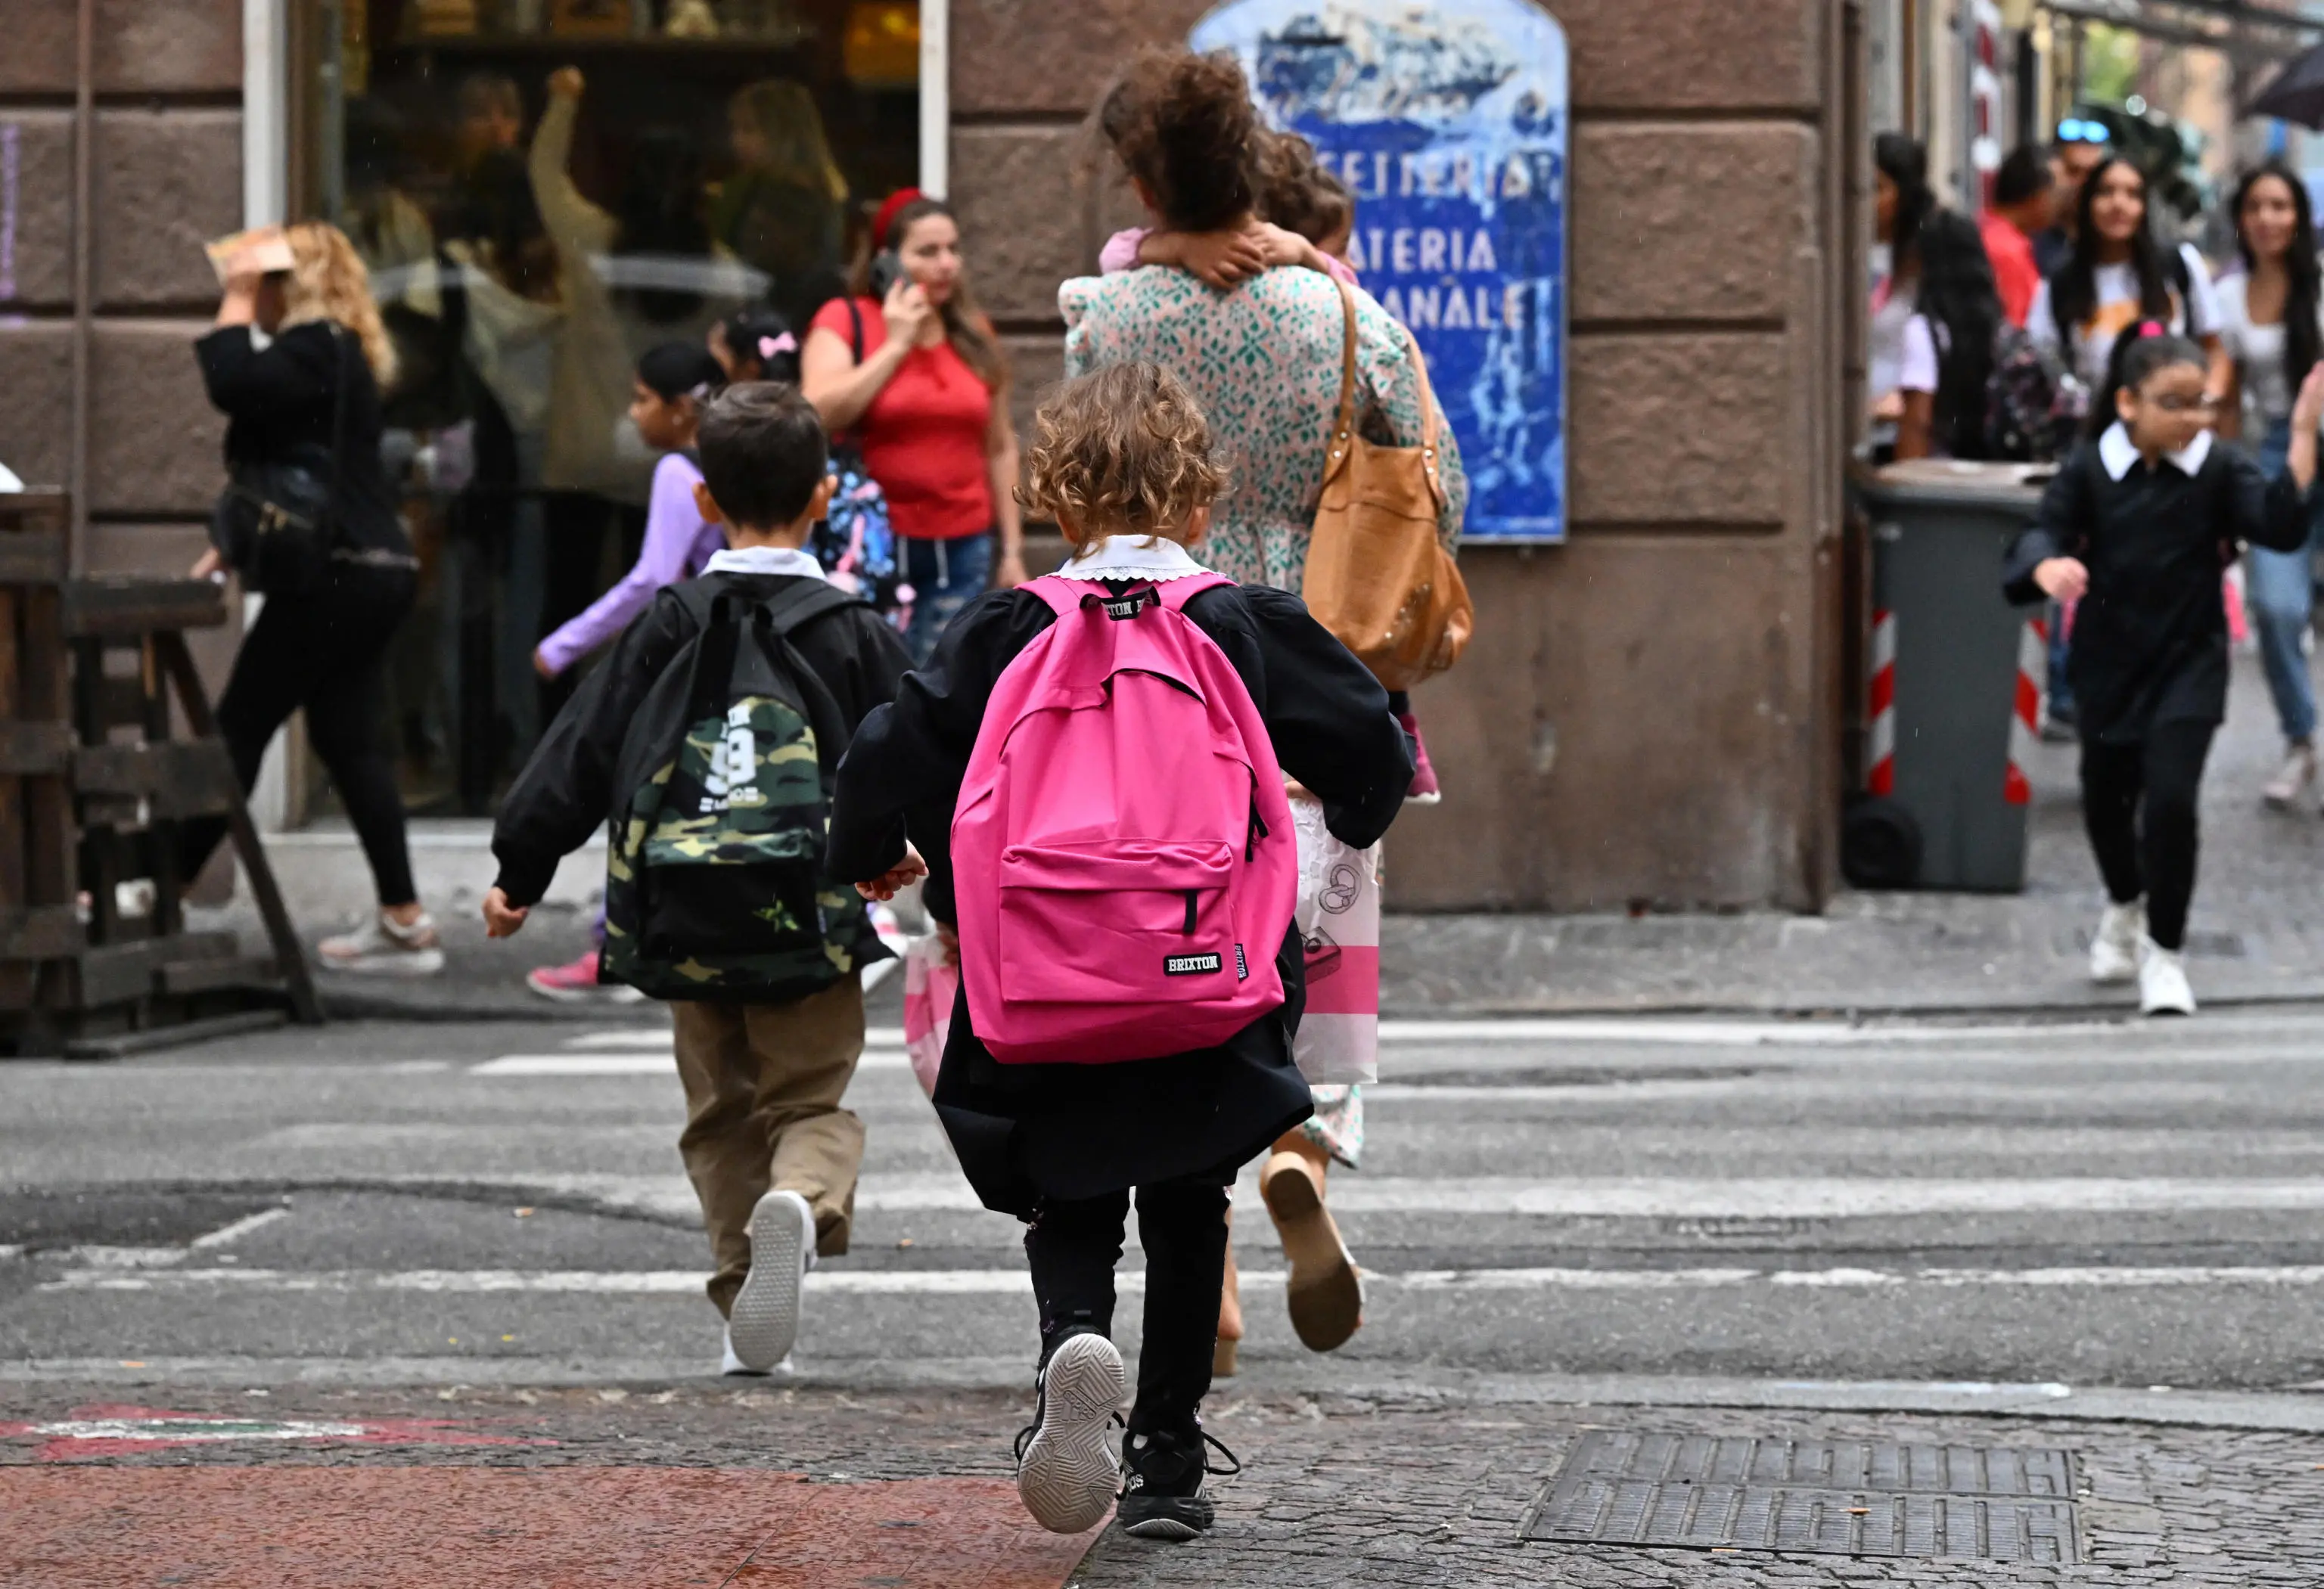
(1190, 913)
(1256, 830)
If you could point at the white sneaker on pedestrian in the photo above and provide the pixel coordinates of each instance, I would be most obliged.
(2114, 948)
(763, 1325)
(2294, 778)
(2163, 988)
(1067, 1474)
(730, 1363)
(383, 947)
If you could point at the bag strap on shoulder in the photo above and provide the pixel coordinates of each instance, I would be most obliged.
(1344, 421)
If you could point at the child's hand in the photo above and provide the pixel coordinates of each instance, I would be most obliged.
(1223, 259)
(948, 943)
(901, 876)
(2062, 579)
(502, 919)
(540, 665)
(1282, 247)
(566, 83)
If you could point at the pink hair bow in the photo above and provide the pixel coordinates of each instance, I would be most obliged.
(2150, 328)
(769, 347)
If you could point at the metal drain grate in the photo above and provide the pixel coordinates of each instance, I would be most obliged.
(1819, 1497)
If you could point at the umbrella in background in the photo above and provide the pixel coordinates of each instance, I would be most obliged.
(2296, 94)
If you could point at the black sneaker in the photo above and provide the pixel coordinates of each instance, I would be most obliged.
(1065, 1472)
(1162, 1495)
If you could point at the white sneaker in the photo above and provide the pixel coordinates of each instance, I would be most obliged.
(382, 947)
(2163, 988)
(2291, 780)
(729, 1363)
(2114, 948)
(763, 1325)
(1067, 1474)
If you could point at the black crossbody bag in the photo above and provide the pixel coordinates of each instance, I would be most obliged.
(277, 522)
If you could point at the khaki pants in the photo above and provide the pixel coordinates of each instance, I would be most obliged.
(762, 1088)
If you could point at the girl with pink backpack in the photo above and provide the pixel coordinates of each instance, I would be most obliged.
(1093, 766)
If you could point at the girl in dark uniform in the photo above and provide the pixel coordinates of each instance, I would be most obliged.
(2138, 527)
(1122, 462)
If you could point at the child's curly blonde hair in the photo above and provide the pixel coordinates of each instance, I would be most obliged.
(1124, 451)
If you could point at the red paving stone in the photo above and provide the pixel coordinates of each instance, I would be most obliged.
(476, 1528)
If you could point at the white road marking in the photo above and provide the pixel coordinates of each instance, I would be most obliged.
(958, 1283)
(660, 1063)
(226, 1233)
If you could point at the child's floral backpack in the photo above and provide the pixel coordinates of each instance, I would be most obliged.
(856, 545)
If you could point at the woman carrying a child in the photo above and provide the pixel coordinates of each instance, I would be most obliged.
(1264, 361)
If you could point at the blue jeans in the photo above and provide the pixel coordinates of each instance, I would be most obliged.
(944, 577)
(2282, 588)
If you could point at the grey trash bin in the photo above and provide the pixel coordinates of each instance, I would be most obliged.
(1955, 673)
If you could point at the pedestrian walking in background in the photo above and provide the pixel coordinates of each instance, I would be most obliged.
(730, 686)
(756, 345)
(2271, 324)
(2081, 147)
(2136, 528)
(1123, 461)
(1901, 202)
(2022, 206)
(911, 370)
(1265, 363)
(296, 363)
(1948, 344)
(2120, 274)
(675, 382)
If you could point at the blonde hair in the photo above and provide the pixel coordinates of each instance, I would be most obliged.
(784, 115)
(1124, 451)
(329, 283)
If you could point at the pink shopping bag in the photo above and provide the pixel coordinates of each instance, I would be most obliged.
(1339, 920)
(931, 984)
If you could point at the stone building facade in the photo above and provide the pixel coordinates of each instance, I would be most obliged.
(1651, 714)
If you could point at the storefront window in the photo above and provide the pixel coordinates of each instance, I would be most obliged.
(544, 190)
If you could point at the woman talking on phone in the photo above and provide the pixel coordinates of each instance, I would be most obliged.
(910, 370)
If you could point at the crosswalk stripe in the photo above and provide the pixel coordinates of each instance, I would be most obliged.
(659, 1062)
(919, 1282)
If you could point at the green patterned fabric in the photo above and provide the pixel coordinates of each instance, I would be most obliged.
(1263, 360)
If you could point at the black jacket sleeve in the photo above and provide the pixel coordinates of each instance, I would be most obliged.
(567, 788)
(1329, 718)
(873, 666)
(2271, 513)
(2059, 526)
(245, 382)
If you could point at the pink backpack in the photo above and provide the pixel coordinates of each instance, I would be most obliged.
(1123, 858)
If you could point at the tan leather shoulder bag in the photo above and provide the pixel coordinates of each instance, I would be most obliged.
(1376, 575)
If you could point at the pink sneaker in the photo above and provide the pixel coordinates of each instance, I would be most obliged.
(577, 984)
(1425, 790)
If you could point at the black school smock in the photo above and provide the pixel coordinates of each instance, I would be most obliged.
(1025, 1133)
(2150, 639)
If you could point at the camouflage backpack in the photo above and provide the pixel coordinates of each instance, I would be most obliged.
(713, 877)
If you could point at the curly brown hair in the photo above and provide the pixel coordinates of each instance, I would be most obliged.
(1298, 192)
(1123, 451)
(1185, 125)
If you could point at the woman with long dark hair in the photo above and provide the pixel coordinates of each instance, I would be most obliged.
(917, 377)
(1949, 342)
(1901, 202)
(2271, 327)
(2119, 275)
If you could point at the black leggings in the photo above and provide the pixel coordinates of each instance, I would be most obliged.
(1182, 1224)
(2150, 853)
(325, 652)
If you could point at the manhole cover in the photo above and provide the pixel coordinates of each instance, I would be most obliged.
(1820, 1497)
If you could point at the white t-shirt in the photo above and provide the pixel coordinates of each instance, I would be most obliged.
(1925, 342)
(1892, 306)
(2259, 352)
(2198, 314)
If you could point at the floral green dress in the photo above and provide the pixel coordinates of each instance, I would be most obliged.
(1264, 363)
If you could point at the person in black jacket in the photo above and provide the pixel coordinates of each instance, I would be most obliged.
(772, 1156)
(290, 344)
(2137, 529)
(1121, 460)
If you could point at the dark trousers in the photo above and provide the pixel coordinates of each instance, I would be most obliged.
(1182, 1224)
(324, 650)
(2149, 852)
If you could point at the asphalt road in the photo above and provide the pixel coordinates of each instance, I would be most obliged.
(2024, 1207)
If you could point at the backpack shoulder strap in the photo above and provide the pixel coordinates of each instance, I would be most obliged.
(1177, 593)
(1061, 594)
(803, 602)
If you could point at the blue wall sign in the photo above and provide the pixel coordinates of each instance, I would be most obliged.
(1448, 121)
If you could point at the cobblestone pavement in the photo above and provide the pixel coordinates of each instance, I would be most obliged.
(1338, 1492)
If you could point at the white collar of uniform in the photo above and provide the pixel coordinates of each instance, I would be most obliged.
(1128, 556)
(2117, 452)
(763, 560)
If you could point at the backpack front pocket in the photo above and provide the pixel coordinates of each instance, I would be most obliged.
(1123, 923)
(758, 907)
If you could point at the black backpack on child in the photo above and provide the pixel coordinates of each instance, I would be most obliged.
(714, 874)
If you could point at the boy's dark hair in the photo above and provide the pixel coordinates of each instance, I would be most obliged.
(2023, 175)
(763, 452)
(2138, 353)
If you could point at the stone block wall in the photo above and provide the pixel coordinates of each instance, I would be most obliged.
(1649, 714)
(165, 175)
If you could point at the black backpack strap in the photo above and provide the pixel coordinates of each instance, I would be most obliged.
(855, 327)
(790, 609)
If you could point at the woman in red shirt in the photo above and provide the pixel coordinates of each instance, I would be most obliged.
(918, 381)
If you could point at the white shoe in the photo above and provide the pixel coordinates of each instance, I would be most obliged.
(382, 947)
(2163, 988)
(764, 1324)
(2292, 779)
(728, 1363)
(1067, 1474)
(2114, 948)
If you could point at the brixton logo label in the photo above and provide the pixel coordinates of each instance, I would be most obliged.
(1193, 965)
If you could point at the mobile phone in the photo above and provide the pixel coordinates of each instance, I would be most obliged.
(886, 270)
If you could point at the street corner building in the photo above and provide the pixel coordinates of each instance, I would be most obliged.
(1653, 708)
